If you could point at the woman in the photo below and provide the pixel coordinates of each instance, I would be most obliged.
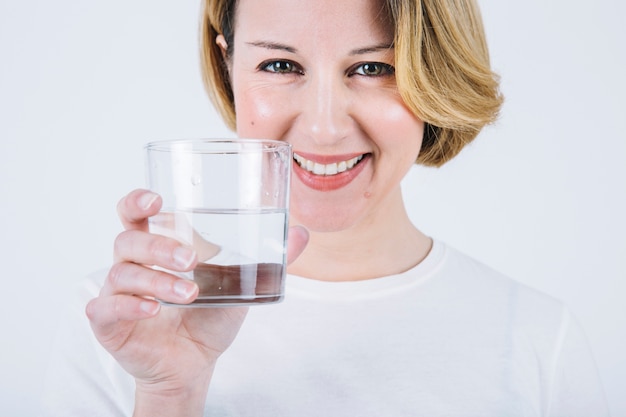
(379, 319)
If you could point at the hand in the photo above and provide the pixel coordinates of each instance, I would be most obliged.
(170, 351)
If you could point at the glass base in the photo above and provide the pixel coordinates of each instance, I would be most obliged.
(230, 301)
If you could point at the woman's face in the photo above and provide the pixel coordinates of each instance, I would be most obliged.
(319, 75)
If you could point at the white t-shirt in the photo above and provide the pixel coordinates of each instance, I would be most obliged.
(450, 337)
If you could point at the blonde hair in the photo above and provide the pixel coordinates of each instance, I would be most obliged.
(442, 72)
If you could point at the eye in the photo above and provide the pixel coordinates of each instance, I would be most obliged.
(280, 67)
(373, 69)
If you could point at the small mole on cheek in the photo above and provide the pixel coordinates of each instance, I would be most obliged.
(252, 122)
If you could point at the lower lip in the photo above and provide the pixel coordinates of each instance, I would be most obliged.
(329, 182)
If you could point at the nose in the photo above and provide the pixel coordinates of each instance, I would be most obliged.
(325, 111)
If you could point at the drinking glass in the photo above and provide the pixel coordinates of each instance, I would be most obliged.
(228, 199)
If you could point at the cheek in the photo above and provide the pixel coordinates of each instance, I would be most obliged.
(259, 115)
(398, 113)
(396, 126)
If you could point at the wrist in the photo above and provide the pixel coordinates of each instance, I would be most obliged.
(172, 400)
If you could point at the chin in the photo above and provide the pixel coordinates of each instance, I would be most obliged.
(323, 221)
(326, 212)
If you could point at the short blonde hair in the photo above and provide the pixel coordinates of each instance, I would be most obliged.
(442, 66)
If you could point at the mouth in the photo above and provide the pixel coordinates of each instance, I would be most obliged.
(330, 169)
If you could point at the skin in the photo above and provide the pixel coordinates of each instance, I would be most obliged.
(327, 104)
(333, 98)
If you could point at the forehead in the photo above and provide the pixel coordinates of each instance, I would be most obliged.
(318, 20)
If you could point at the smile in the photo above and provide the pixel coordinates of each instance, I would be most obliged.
(326, 169)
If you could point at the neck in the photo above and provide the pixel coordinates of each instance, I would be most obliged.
(384, 244)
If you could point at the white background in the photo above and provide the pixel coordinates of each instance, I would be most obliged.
(539, 196)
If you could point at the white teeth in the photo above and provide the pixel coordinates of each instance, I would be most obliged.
(329, 169)
(319, 169)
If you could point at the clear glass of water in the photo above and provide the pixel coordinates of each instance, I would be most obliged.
(228, 199)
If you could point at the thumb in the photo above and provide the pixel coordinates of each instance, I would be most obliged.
(297, 240)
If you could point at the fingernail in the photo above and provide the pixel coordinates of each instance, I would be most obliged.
(150, 307)
(184, 257)
(184, 289)
(146, 200)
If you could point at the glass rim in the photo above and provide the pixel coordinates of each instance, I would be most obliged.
(207, 145)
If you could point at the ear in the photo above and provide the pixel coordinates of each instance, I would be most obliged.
(221, 42)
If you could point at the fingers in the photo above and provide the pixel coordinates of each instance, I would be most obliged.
(296, 242)
(131, 289)
(136, 207)
(105, 312)
(149, 249)
(118, 302)
(128, 278)
(113, 318)
(178, 226)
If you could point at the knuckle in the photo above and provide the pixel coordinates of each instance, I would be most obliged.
(118, 307)
(158, 285)
(116, 275)
(120, 245)
(120, 206)
(161, 248)
(117, 245)
(90, 310)
(129, 210)
(124, 207)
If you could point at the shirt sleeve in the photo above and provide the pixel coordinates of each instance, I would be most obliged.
(82, 379)
(576, 389)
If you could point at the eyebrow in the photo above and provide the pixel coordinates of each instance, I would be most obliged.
(273, 46)
(282, 47)
(370, 49)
